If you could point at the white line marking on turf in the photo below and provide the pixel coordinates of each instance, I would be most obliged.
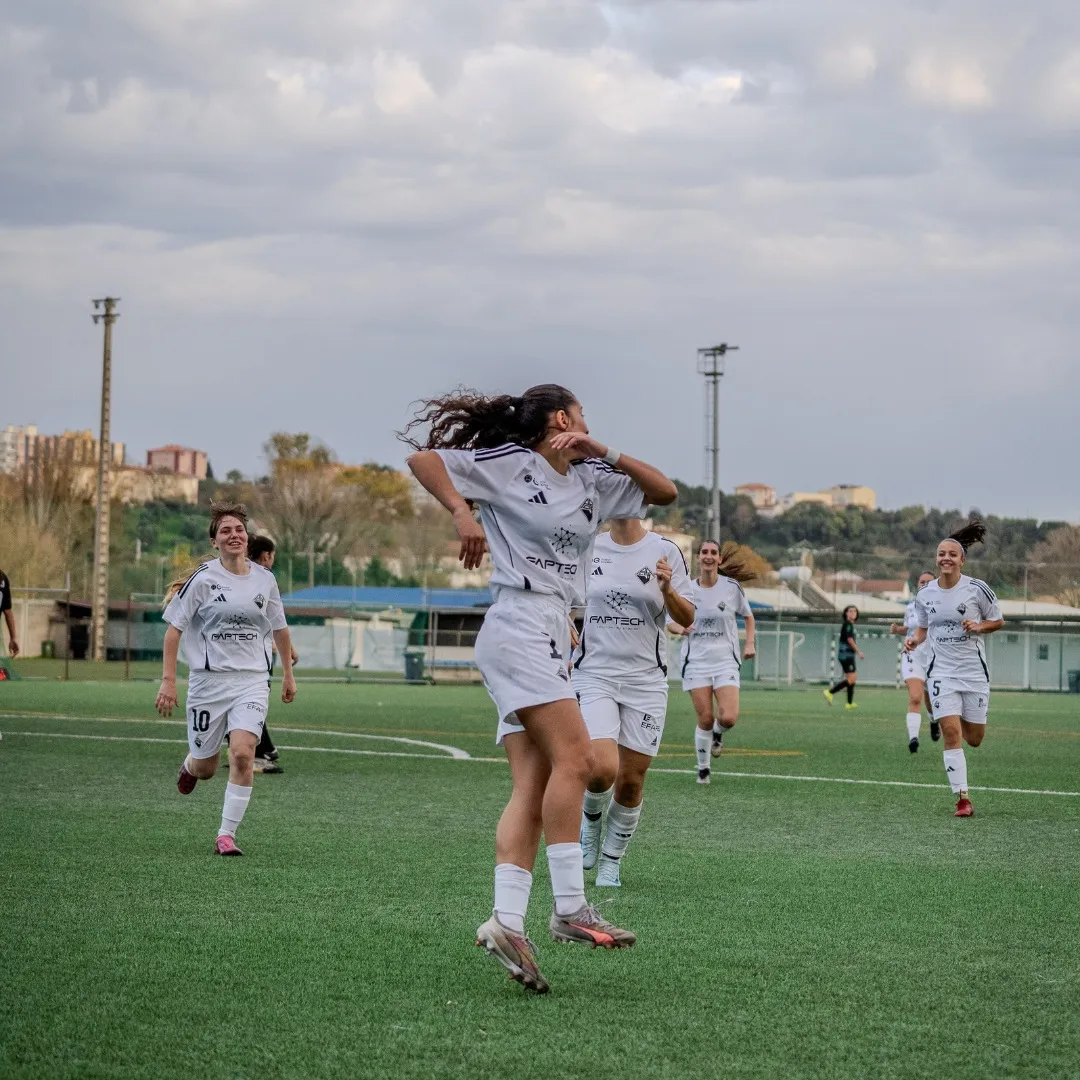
(462, 756)
(452, 751)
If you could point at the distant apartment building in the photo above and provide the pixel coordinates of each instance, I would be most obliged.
(839, 497)
(761, 495)
(25, 448)
(177, 460)
(845, 495)
(132, 484)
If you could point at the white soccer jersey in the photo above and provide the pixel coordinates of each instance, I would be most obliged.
(956, 656)
(623, 630)
(540, 524)
(714, 641)
(227, 619)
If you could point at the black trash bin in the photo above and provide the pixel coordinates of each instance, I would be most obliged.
(414, 666)
(1074, 682)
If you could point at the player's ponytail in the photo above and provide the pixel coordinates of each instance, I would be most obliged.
(467, 420)
(734, 561)
(974, 532)
(178, 583)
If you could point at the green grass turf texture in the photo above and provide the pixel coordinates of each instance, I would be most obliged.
(786, 929)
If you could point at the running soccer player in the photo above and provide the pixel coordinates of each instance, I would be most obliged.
(542, 485)
(9, 617)
(638, 580)
(710, 651)
(913, 670)
(952, 613)
(226, 613)
(262, 550)
(846, 651)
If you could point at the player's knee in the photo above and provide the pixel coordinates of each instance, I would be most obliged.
(728, 719)
(974, 735)
(628, 790)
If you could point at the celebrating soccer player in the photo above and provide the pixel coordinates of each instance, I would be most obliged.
(710, 653)
(542, 485)
(636, 581)
(953, 613)
(913, 669)
(226, 613)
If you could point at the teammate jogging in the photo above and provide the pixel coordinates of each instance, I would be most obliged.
(9, 617)
(710, 652)
(953, 613)
(226, 614)
(913, 670)
(846, 651)
(637, 580)
(542, 486)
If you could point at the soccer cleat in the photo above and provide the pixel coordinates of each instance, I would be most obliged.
(514, 951)
(590, 842)
(226, 845)
(607, 876)
(913, 746)
(703, 776)
(828, 695)
(273, 755)
(185, 782)
(852, 705)
(935, 730)
(964, 807)
(589, 927)
(267, 765)
(717, 743)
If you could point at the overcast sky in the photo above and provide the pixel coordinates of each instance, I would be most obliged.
(316, 212)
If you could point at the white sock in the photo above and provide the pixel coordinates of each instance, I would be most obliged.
(512, 886)
(567, 877)
(703, 746)
(956, 770)
(187, 764)
(232, 813)
(595, 803)
(914, 722)
(718, 728)
(621, 823)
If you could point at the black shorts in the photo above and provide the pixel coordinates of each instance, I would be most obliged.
(847, 663)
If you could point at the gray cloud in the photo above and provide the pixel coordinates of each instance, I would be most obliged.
(322, 211)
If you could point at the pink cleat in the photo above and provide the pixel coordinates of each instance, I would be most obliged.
(226, 845)
(185, 782)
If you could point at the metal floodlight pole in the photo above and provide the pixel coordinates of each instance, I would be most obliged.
(100, 585)
(711, 365)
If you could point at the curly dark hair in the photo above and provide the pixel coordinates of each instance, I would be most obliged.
(468, 420)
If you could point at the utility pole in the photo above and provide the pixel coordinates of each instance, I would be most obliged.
(99, 617)
(711, 365)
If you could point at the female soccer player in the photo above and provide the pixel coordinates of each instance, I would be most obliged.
(226, 612)
(913, 669)
(638, 580)
(846, 651)
(542, 485)
(261, 550)
(953, 613)
(710, 653)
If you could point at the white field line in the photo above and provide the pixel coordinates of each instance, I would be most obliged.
(467, 757)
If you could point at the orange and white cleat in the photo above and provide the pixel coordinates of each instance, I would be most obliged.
(514, 951)
(226, 845)
(964, 807)
(589, 927)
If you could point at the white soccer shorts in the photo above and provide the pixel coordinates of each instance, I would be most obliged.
(217, 704)
(523, 652)
(913, 664)
(969, 705)
(726, 674)
(632, 715)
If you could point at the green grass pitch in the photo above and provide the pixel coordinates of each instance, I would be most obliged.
(787, 928)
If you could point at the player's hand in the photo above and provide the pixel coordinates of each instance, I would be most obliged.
(295, 656)
(972, 626)
(749, 652)
(471, 534)
(13, 648)
(909, 645)
(288, 688)
(582, 445)
(663, 575)
(575, 637)
(166, 698)
(861, 654)
(680, 631)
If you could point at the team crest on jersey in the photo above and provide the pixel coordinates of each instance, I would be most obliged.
(260, 601)
(588, 508)
(564, 540)
(644, 575)
(722, 605)
(618, 599)
(961, 608)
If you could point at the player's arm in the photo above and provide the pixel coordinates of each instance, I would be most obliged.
(679, 609)
(166, 696)
(283, 643)
(655, 486)
(989, 626)
(898, 628)
(13, 643)
(916, 639)
(750, 648)
(430, 470)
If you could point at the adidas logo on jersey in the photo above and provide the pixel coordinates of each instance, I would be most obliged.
(539, 498)
(598, 572)
(221, 598)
